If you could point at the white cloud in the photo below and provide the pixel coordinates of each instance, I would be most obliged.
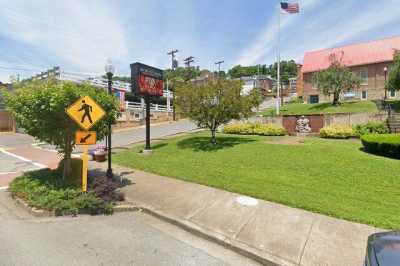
(267, 41)
(79, 34)
(316, 28)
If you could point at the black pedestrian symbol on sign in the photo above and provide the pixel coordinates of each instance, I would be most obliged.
(87, 110)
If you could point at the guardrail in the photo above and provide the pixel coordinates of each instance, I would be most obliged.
(153, 107)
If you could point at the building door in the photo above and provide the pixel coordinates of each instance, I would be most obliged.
(314, 98)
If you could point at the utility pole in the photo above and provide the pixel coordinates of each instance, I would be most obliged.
(219, 66)
(174, 65)
(188, 61)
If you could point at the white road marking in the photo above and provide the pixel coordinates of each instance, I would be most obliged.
(7, 173)
(23, 159)
(3, 188)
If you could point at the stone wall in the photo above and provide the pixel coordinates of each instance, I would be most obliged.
(136, 118)
(6, 121)
(319, 121)
(353, 119)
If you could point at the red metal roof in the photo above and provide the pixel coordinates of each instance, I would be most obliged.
(353, 55)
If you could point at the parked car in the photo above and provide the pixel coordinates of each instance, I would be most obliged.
(383, 249)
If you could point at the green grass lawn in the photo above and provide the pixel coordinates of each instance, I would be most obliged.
(324, 108)
(332, 177)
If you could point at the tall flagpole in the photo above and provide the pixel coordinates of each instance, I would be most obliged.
(278, 88)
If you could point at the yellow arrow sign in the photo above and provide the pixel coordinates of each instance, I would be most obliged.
(86, 112)
(85, 137)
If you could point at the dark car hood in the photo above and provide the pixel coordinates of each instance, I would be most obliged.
(386, 247)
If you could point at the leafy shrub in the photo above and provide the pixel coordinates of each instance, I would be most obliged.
(45, 189)
(337, 131)
(382, 144)
(371, 128)
(296, 100)
(254, 129)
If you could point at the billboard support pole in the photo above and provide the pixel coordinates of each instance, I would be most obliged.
(147, 81)
(147, 99)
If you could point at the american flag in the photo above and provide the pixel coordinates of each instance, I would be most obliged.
(290, 8)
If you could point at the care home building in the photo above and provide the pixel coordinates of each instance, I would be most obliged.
(371, 61)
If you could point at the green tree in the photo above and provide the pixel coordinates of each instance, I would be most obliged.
(183, 73)
(393, 82)
(215, 103)
(288, 70)
(39, 108)
(334, 80)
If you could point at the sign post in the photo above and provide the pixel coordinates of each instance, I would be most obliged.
(148, 82)
(85, 112)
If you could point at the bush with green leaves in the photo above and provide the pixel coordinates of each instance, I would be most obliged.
(382, 144)
(371, 128)
(254, 129)
(39, 108)
(45, 189)
(337, 131)
(215, 103)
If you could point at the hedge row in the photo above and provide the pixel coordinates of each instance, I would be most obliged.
(371, 128)
(255, 129)
(337, 131)
(382, 144)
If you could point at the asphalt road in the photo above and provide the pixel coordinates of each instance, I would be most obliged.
(130, 238)
(119, 138)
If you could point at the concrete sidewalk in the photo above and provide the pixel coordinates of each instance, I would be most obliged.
(269, 232)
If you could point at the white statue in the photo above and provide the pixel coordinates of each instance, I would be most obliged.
(303, 125)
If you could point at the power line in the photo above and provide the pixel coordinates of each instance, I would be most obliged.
(188, 61)
(219, 65)
(20, 68)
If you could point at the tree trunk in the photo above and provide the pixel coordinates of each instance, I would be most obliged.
(67, 157)
(213, 130)
(213, 139)
(335, 98)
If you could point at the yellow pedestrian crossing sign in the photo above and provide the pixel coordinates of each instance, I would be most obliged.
(86, 112)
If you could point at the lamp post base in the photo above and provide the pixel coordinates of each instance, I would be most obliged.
(110, 173)
(147, 151)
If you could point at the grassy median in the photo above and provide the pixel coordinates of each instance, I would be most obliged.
(333, 177)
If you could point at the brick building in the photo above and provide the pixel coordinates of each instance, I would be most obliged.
(369, 60)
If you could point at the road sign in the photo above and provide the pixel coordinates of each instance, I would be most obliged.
(85, 112)
(147, 80)
(85, 137)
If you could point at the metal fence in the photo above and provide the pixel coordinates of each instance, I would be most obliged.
(153, 107)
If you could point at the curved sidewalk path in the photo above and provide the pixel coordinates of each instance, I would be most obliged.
(271, 233)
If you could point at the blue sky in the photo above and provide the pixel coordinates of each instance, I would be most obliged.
(81, 35)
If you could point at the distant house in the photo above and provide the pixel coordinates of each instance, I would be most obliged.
(368, 60)
(265, 83)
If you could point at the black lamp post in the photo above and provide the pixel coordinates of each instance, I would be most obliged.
(109, 68)
(385, 72)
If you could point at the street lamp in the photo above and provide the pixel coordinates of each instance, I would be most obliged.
(385, 69)
(110, 69)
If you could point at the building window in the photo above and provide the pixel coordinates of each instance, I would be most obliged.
(364, 76)
(392, 93)
(364, 95)
(314, 99)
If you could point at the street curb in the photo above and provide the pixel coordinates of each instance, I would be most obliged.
(32, 210)
(234, 245)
